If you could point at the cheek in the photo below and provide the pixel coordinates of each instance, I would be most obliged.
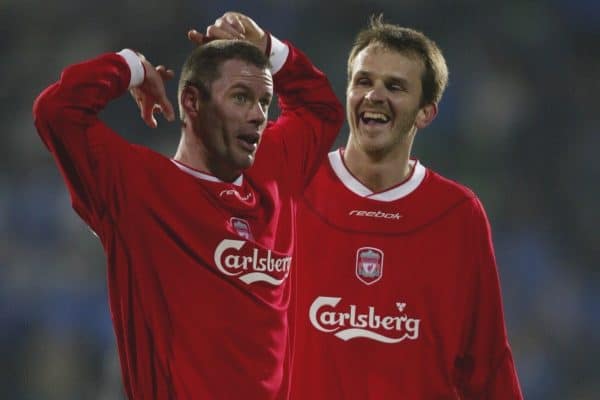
(223, 116)
(352, 101)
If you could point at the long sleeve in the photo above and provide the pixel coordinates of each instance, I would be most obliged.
(66, 117)
(311, 117)
(487, 370)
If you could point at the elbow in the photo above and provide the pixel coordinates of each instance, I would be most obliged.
(47, 115)
(45, 106)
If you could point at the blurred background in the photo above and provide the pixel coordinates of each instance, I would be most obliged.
(518, 124)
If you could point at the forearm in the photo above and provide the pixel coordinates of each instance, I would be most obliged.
(66, 117)
(69, 106)
(310, 120)
(302, 87)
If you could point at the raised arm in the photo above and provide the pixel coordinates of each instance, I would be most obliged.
(66, 117)
(311, 115)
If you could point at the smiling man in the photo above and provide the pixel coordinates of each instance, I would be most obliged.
(398, 294)
(198, 246)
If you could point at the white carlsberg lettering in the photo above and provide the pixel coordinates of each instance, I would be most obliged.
(350, 324)
(375, 214)
(221, 248)
(251, 265)
(259, 265)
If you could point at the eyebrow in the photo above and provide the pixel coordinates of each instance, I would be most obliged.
(247, 88)
(387, 78)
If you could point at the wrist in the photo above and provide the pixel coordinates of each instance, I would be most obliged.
(136, 67)
(278, 53)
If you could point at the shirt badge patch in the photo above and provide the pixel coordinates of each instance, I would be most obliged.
(369, 265)
(242, 227)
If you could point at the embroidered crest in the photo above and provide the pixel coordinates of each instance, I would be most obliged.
(242, 227)
(369, 265)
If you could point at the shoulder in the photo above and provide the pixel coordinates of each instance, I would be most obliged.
(443, 185)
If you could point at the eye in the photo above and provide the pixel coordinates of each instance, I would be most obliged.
(240, 98)
(396, 87)
(363, 82)
(265, 103)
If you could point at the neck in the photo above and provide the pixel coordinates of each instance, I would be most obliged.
(375, 171)
(192, 153)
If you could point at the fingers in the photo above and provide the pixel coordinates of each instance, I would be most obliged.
(196, 37)
(166, 108)
(150, 107)
(164, 105)
(165, 73)
(235, 22)
(151, 96)
(231, 24)
(147, 113)
(225, 32)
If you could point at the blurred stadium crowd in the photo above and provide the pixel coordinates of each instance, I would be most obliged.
(518, 125)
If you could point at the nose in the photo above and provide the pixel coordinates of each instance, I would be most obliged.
(375, 94)
(257, 114)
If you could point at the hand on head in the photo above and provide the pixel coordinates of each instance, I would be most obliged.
(151, 96)
(232, 25)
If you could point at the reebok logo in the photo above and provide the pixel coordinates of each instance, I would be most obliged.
(375, 214)
(233, 192)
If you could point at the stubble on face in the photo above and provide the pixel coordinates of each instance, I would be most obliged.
(231, 123)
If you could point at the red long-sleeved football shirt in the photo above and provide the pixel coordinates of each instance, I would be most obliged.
(197, 268)
(397, 295)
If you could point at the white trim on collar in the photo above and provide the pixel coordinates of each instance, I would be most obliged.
(205, 176)
(356, 187)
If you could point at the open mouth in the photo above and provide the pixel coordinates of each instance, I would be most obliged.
(373, 118)
(249, 141)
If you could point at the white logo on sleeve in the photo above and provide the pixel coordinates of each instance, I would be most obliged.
(350, 323)
(250, 263)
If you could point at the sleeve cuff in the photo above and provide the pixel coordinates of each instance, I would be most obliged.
(135, 67)
(278, 54)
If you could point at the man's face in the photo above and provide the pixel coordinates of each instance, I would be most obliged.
(383, 98)
(232, 120)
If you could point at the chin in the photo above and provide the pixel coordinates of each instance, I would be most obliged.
(374, 142)
(246, 162)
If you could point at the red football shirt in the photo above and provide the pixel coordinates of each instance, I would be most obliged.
(197, 268)
(397, 294)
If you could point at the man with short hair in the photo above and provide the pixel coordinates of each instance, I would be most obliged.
(199, 246)
(398, 294)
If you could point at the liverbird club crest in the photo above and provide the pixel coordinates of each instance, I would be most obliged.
(369, 265)
(241, 227)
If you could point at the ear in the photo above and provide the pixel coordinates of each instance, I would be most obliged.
(190, 101)
(425, 115)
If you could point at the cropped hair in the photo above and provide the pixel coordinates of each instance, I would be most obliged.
(203, 65)
(410, 42)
